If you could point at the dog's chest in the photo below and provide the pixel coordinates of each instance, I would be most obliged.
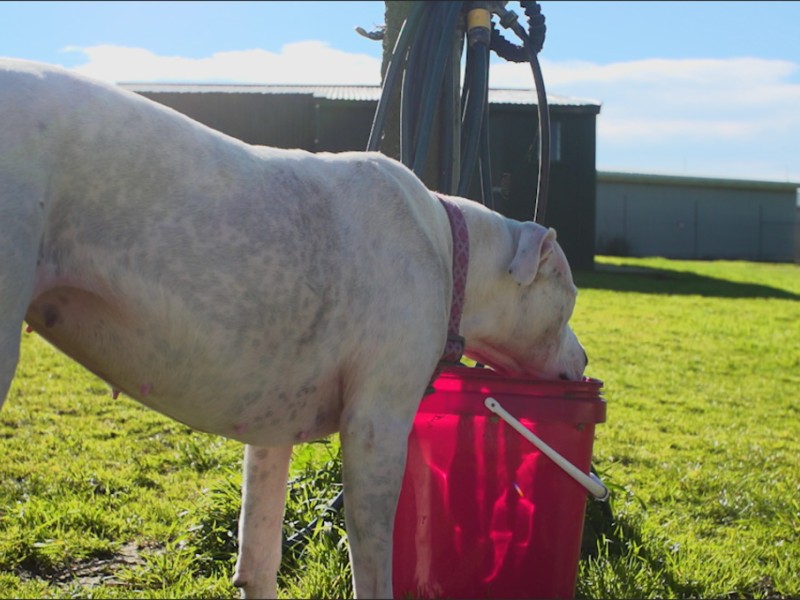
(232, 353)
(222, 385)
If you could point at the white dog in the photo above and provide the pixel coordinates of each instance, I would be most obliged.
(269, 296)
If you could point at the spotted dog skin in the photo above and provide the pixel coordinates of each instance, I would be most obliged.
(269, 296)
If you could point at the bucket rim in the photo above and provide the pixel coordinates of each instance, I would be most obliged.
(461, 390)
(476, 374)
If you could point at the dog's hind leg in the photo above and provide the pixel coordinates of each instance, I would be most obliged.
(9, 352)
(266, 471)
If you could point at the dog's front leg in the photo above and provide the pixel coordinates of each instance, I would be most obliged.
(374, 445)
(21, 227)
(261, 520)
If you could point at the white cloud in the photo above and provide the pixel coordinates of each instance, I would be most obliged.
(731, 72)
(693, 112)
(687, 111)
(308, 62)
(659, 97)
(658, 129)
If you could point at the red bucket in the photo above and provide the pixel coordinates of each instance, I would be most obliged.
(483, 513)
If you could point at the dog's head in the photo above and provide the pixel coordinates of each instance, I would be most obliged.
(521, 324)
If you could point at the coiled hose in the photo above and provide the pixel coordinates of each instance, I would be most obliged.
(426, 52)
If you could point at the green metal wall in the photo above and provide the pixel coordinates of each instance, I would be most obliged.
(695, 218)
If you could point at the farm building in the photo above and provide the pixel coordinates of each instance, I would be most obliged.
(338, 118)
(697, 218)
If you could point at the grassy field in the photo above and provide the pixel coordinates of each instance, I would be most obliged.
(701, 364)
(702, 367)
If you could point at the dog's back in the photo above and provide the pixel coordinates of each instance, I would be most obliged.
(205, 277)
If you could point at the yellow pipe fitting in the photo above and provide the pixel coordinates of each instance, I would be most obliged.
(479, 17)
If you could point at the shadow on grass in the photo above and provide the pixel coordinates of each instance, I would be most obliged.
(618, 563)
(647, 280)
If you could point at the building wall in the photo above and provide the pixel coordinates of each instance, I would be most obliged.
(570, 207)
(695, 218)
(572, 199)
(276, 120)
(341, 125)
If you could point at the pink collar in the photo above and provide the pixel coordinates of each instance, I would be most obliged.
(454, 348)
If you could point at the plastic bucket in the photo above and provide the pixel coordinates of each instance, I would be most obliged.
(482, 512)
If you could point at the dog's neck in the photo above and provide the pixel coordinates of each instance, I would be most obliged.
(485, 303)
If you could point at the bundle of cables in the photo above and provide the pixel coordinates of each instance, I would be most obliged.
(427, 50)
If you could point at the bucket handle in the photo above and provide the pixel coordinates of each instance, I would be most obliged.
(591, 482)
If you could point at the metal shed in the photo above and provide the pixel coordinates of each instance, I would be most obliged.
(337, 118)
(697, 217)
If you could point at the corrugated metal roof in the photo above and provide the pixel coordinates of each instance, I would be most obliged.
(357, 93)
(684, 180)
(528, 96)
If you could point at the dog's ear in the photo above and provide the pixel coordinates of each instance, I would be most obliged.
(535, 243)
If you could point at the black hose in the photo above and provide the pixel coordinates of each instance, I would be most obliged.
(393, 70)
(432, 85)
(536, 33)
(304, 534)
(447, 157)
(423, 62)
(532, 42)
(474, 110)
(542, 189)
(484, 162)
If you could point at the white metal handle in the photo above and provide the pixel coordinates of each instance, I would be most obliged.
(591, 482)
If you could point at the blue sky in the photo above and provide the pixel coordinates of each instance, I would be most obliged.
(687, 88)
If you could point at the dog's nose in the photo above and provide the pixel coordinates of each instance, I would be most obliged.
(585, 359)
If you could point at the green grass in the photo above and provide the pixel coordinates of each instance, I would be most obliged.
(701, 364)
